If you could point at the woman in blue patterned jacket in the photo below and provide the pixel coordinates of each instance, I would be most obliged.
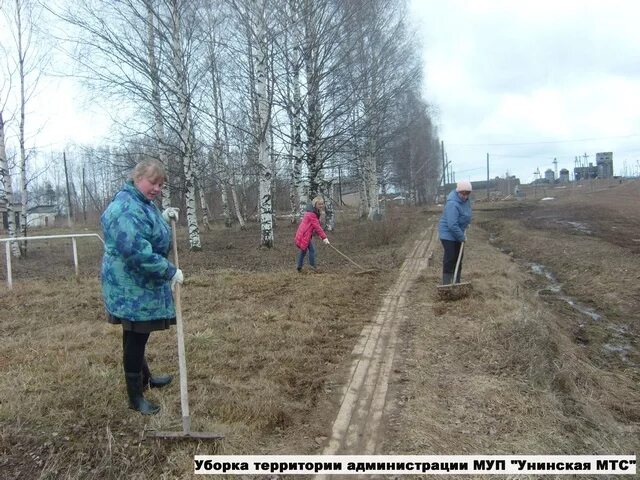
(137, 278)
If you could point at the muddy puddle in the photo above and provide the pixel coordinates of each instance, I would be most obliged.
(553, 290)
(554, 287)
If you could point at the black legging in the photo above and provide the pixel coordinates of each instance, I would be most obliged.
(133, 346)
(451, 250)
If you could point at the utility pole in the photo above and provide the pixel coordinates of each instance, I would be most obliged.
(449, 168)
(444, 175)
(487, 176)
(84, 199)
(555, 163)
(66, 176)
(340, 186)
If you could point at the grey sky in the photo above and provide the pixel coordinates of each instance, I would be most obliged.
(558, 78)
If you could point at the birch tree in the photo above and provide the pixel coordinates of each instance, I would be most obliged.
(416, 152)
(116, 46)
(262, 128)
(185, 119)
(384, 70)
(22, 19)
(220, 140)
(156, 104)
(292, 101)
(6, 194)
(252, 19)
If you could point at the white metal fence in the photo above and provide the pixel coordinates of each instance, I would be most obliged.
(72, 236)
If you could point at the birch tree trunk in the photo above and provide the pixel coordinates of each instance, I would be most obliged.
(264, 163)
(21, 139)
(219, 150)
(156, 104)
(363, 192)
(186, 128)
(228, 169)
(329, 207)
(229, 174)
(6, 194)
(372, 183)
(192, 219)
(314, 162)
(298, 184)
(293, 194)
(203, 204)
(236, 201)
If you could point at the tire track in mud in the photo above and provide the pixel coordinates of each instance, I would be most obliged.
(355, 430)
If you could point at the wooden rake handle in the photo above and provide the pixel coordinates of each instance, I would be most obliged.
(360, 267)
(455, 273)
(182, 362)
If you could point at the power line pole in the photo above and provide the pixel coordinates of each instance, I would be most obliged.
(449, 168)
(444, 175)
(66, 176)
(487, 176)
(340, 186)
(84, 201)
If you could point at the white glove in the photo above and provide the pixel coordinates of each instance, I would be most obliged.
(326, 241)
(178, 277)
(170, 213)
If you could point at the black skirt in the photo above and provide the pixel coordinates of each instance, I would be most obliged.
(146, 326)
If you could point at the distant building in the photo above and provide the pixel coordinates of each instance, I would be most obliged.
(585, 173)
(604, 163)
(42, 216)
(549, 175)
(564, 175)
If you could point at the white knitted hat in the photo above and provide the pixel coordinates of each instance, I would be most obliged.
(464, 186)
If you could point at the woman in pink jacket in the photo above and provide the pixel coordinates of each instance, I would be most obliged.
(310, 223)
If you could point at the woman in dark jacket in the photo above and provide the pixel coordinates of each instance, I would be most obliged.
(453, 223)
(309, 225)
(137, 278)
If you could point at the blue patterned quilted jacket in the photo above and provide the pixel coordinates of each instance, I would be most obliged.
(135, 271)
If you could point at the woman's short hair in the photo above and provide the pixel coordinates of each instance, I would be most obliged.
(150, 168)
(317, 200)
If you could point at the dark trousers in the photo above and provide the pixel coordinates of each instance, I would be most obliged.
(133, 346)
(450, 257)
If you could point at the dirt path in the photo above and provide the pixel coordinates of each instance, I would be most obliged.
(356, 429)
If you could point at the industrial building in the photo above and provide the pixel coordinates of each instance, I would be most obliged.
(602, 169)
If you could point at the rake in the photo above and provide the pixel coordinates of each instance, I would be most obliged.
(455, 291)
(186, 432)
(362, 269)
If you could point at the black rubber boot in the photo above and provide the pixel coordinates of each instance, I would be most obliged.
(447, 278)
(155, 381)
(136, 399)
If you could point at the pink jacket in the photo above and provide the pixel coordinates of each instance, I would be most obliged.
(308, 225)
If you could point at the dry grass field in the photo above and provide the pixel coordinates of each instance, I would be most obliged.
(542, 358)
